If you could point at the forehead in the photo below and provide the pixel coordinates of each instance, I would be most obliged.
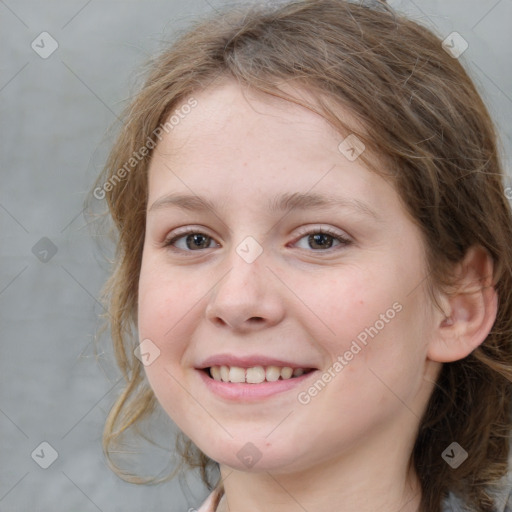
(228, 116)
(235, 137)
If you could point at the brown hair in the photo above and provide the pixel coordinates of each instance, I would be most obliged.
(422, 113)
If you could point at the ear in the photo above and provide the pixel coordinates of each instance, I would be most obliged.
(470, 312)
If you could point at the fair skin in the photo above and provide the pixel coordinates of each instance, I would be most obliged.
(348, 448)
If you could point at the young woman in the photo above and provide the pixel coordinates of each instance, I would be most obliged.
(315, 252)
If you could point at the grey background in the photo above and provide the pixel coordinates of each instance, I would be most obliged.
(54, 115)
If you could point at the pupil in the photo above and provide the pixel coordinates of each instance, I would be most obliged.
(197, 240)
(318, 238)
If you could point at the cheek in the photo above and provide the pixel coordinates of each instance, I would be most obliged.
(343, 307)
(387, 357)
(369, 319)
(165, 300)
(162, 305)
(165, 308)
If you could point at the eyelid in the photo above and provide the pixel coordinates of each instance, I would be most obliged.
(307, 230)
(180, 232)
(185, 230)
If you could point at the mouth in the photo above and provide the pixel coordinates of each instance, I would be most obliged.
(252, 377)
(254, 374)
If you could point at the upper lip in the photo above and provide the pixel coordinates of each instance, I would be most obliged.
(247, 362)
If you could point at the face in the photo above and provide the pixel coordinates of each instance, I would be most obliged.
(298, 260)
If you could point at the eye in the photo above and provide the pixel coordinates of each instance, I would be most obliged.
(190, 240)
(317, 239)
(322, 239)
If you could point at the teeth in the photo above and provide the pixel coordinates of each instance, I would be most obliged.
(286, 372)
(254, 375)
(236, 374)
(215, 372)
(273, 373)
(224, 373)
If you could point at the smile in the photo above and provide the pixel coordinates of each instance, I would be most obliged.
(244, 391)
(255, 374)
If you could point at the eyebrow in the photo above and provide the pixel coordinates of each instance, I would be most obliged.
(277, 204)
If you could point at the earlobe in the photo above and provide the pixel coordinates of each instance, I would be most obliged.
(470, 311)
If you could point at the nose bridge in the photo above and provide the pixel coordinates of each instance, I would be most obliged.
(243, 279)
(243, 293)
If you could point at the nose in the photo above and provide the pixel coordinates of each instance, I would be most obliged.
(247, 298)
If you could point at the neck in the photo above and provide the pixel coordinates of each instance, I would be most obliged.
(360, 488)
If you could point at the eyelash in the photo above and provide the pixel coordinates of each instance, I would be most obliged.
(343, 241)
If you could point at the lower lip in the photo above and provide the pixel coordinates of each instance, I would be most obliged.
(244, 392)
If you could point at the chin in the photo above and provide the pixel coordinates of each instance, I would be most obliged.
(255, 456)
